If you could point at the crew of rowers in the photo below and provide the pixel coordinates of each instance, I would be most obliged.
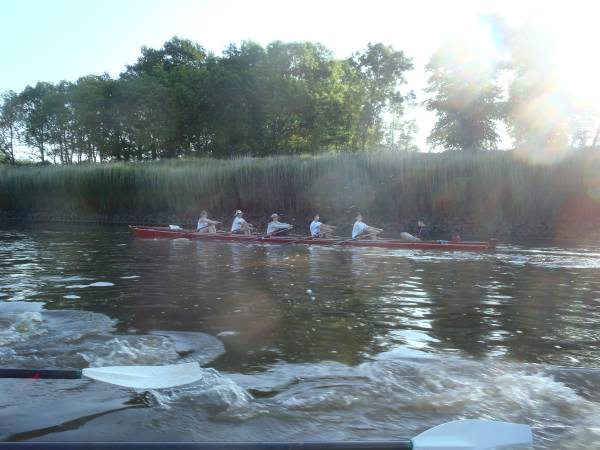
(318, 229)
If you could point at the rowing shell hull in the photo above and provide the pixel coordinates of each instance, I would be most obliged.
(167, 233)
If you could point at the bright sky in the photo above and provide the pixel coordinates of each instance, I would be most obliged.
(65, 39)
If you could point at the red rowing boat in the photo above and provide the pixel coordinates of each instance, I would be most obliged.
(164, 232)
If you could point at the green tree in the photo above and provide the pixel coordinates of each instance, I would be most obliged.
(10, 119)
(285, 98)
(236, 113)
(466, 97)
(36, 116)
(166, 94)
(251, 100)
(380, 71)
(150, 117)
(175, 53)
(97, 104)
(60, 121)
(401, 135)
(303, 97)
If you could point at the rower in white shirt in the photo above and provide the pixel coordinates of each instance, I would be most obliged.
(318, 229)
(206, 225)
(239, 225)
(361, 230)
(277, 227)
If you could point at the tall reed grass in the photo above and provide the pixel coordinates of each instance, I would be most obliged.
(488, 190)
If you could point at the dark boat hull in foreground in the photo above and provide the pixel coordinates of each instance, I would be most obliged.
(164, 232)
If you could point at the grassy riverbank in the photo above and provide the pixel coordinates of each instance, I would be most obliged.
(493, 192)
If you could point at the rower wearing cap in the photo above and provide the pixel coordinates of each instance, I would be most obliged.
(318, 229)
(277, 227)
(206, 225)
(239, 225)
(361, 230)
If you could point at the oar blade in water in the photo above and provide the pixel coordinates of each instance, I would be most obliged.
(475, 434)
(147, 377)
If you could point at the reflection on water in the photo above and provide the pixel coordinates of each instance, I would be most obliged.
(319, 342)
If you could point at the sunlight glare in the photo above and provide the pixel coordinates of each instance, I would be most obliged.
(576, 51)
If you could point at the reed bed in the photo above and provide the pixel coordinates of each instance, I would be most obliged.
(489, 190)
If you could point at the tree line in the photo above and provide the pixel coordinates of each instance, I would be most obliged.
(181, 100)
(295, 98)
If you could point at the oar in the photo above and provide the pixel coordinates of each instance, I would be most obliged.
(474, 434)
(216, 222)
(379, 230)
(303, 238)
(262, 236)
(198, 235)
(347, 240)
(339, 242)
(137, 377)
(458, 435)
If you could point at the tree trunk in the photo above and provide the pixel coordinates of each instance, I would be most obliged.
(42, 154)
(11, 149)
(595, 141)
(61, 150)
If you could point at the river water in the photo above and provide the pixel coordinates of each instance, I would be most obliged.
(297, 342)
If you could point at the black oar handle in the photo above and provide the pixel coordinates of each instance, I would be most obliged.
(364, 445)
(71, 374)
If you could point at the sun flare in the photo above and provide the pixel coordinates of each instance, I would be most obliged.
(569, 30)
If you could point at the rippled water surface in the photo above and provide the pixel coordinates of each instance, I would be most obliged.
(297, 342)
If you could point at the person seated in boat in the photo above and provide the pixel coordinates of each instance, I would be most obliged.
(276, 227)
(239, 225)
(206, 225)
(405, 236)
(319, 230)
(361, 230)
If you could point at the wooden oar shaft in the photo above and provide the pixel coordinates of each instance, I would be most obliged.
(364, 445)
(340, 242)
(198, 235)
(54, 374)
(263, 236)
(303, 238)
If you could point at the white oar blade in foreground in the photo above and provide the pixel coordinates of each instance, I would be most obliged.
(475, 435)
(147, 377)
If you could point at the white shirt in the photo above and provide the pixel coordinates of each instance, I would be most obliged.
(276, 225)
(202, 224)
(237, 224)
(358, 228)
(315, 228)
